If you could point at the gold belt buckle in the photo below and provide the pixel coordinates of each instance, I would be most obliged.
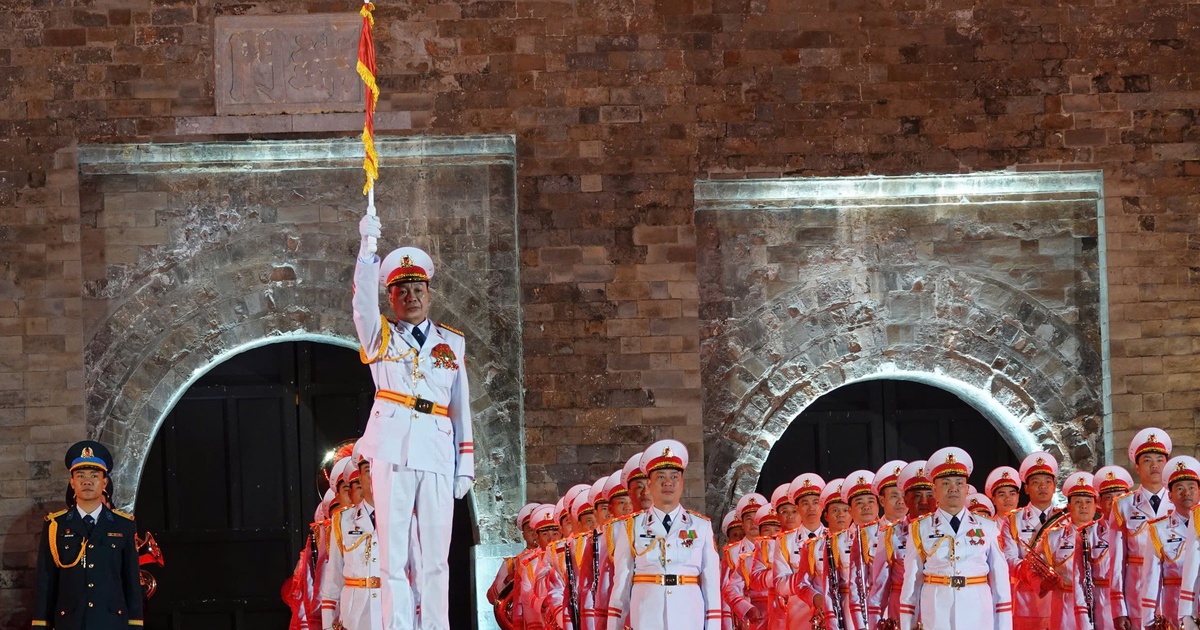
(958, 581)
(424, 406)
(373, 582)
(670, 580)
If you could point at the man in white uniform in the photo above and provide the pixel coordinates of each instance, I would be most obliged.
(1031, 607)
(955, 577)
(352, 572)
(418, 436)
(1130, 513)
(666, 572)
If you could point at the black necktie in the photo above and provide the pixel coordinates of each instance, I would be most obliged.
(811, 535)
(89, 522)
(418, 335)
(954, 523)
(1154, 502)
(372, 513)
(1043, 517)
(667, 523)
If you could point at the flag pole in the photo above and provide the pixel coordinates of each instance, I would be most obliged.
(366, 70)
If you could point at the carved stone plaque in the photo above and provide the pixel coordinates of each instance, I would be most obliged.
(287, 64)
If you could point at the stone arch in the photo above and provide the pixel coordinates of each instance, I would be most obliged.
(984, 285)
(233, 275)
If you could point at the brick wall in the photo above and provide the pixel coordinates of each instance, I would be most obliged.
(618, 107)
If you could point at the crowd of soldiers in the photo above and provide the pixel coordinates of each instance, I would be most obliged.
(908, 546)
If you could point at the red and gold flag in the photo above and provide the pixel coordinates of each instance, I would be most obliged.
(366, 70)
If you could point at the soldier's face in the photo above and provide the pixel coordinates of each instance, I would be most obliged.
(602, 512)
(640, 491)
(88, 484)
(837, 516)
(666, 486)
(1184, 495)
(1082, 509)
(356, 492)
(587, 522)
(364, 477)
(950, 493)
(1106, 500)
(893, 503)
(735, 535)
(1150, 467)
(864, 509)
(789, 516)
(1006, 499)
(1040, 489)
(410, 301)
(919, 502)
(547, 535)
(343, 493)
(810, 511)
(768, 531)
(621, 506)
(530, 536)
(565, 526)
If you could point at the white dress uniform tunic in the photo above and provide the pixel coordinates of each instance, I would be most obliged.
(1190, 567)
(353, 572)
(786, 555)
(956, 580)
(1131, 513)
(1031, 609)
(1061, 549)
(1162, 570)
(887, 566)
(666, 578)
(419, 441)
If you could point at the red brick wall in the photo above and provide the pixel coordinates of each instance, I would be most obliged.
(618, 107)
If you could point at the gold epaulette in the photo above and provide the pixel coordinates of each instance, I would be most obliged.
(699, 515)
(124, 514)
(453, 330)
(53, 515)
(339, 510)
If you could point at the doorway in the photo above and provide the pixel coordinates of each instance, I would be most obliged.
(230, 485)
(863, 425)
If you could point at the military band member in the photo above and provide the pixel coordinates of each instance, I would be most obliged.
(858, 492)
(734, 587)
(499, 594)
(633, 476)
(1190, 572)
(1085, 590)
(1161, 575)
(805, 492)
(87, 570)
(1038, 473)
(1148, 452)
(731, 528)
(821, 586)
(621, 506)
(532, 572)
(1111, 482)
(1004, 489)
(600, 500)
(666, 568)
(352, 573)
(883, 601)
(891, 499)
(954, 572)
(772, 616)
(978, 503)
(418, 432)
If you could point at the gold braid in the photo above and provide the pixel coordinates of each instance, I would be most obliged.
(52, 540)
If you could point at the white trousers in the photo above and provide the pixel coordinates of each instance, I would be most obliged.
(414, 514)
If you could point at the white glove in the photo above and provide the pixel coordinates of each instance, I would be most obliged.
(1189, 623)
(369, 227)
(462, 485)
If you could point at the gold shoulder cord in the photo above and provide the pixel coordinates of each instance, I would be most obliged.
(385, 339)
(53, 542)
(337, 535)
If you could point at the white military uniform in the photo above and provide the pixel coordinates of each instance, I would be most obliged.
(887, 571)
(957, 580)
(665, 577)
(1069, 607)
(1131, 513)
(1190, 568)
(1017, 529)
(352, 572)
(690, 598)
(419, 440)
(1161, 572)
(785, 561)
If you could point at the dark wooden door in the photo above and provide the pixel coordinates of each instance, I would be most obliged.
(863, 425)
(229, 486)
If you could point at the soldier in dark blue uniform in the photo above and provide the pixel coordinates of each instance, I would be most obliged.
(87, 574)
